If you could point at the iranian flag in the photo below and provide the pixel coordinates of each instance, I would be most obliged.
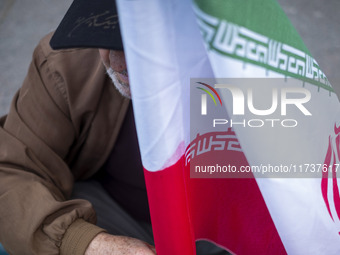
(197, 134)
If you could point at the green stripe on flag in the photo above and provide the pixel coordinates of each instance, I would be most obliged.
(258, 32)
(265, 17)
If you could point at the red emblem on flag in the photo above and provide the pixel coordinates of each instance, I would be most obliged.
(329, 175)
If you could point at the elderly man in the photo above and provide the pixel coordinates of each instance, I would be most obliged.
(70, 138)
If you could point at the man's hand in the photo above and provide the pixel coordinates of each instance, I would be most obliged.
(105, 244)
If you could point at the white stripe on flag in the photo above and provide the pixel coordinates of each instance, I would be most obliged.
(163, 49)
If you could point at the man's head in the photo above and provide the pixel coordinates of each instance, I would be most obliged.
(114, 62)
(94, 24)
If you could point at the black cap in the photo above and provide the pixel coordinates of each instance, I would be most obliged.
(89, 24)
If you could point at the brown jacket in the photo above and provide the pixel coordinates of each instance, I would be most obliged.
(61, 127)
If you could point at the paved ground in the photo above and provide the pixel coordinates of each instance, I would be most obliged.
(23, 23)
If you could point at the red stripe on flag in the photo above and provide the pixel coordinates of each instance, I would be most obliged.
(230, 212)
(336, 195)
(169, 211)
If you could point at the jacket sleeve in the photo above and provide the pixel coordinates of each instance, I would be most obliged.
(35, 181)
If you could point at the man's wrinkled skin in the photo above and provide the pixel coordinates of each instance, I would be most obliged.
(114, 62)
(106, 244)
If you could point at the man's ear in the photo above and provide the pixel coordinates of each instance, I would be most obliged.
(104, 55)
